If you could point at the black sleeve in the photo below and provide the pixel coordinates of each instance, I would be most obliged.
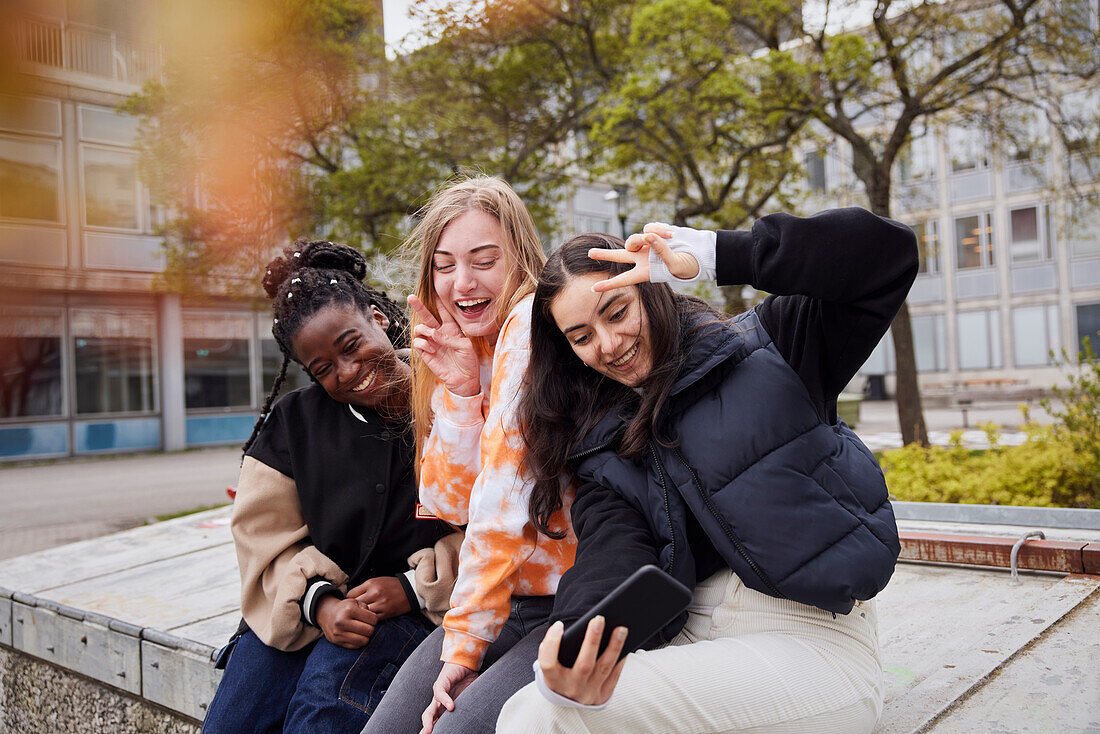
(270, 446)
(837, 279)
(613, 541)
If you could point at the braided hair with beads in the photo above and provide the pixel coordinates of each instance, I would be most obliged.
(307, 277)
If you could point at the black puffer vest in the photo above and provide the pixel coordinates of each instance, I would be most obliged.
(796, 506)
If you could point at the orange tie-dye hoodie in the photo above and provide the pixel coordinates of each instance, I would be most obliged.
(470, 473)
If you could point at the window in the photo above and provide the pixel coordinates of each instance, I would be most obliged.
(974, 241)
(1088, 324)
(30, 179)
(968, 148)
(1029, 234)
(1083, 227)
(1026, 135)
(1081, 116)
(107, 126)
(1035, 334)
(918, 159)
(815, 170)
(113, 375)
(929, 342)
(881, 361)
(34, 115)
(216, 364)
(110, 188)
(113, 361)
(595, 224)
(272, 358)
(928, 245)
(216, 373)
(979, 340)
(30, 364)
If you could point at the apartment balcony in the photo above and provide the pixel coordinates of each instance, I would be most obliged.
(48, 45)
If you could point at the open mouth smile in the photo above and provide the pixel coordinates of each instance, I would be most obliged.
(473, 306)
(366, 381)
(626, 359)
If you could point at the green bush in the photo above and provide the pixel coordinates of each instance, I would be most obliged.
(1057, 466)
(1044, 471)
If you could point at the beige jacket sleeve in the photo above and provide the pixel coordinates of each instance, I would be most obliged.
(275, 557)
(434, 572)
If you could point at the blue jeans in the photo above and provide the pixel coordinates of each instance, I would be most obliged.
(506, 669)
(319, 689)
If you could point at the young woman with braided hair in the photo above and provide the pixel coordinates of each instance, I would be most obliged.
(324, 520)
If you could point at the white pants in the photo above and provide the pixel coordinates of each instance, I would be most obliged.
(744, 662)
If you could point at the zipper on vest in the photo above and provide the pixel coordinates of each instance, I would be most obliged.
(668, 515)
(728, 530)
(594, 449)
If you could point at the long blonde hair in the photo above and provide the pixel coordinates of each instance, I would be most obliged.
(523, 258)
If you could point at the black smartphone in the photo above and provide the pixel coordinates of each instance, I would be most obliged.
(644, 603)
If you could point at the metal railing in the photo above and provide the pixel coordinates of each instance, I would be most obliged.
(85, 50)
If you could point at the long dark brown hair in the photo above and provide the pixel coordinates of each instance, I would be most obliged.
(563, 399)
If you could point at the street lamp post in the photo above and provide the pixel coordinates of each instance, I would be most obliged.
(618, 193)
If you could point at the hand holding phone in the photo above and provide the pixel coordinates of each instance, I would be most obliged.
(591, 680)
(644, 603)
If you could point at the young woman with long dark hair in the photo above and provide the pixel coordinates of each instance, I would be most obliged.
(712, 449)
(324, 521)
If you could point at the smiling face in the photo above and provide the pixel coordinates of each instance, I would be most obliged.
(608, 331)
(347, 352)
(469, 270)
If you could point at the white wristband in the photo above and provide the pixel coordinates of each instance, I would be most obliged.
(699, 243)
(411, 576)
(557, 698)
(307, 600)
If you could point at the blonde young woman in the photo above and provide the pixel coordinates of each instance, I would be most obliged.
(480, 257)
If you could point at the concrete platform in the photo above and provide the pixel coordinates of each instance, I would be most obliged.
(138, 614)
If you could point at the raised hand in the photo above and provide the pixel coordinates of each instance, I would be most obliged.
(592, 679)
(654, 236)
(452, 680)
(449, 353)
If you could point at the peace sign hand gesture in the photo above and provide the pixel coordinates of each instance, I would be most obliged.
(449, 353)
(656, 237)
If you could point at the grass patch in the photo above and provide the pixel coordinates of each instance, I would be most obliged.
(185, 513)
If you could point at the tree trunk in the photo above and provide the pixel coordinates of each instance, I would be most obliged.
(907, 391)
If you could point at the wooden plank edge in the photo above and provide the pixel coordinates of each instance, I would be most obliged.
(978, 550)
(1090, 557)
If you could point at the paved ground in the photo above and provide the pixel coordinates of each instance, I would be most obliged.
(62, 502)
(878, 425)
(53, 504)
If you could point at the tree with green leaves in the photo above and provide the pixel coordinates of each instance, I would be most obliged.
(296, 121)
(690, 116)
(241, 137)
(665, 101)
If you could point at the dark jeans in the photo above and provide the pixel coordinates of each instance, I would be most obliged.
(319, 689)
(507, 668)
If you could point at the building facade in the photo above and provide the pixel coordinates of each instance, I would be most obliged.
(93, 359)
(1009, 233)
